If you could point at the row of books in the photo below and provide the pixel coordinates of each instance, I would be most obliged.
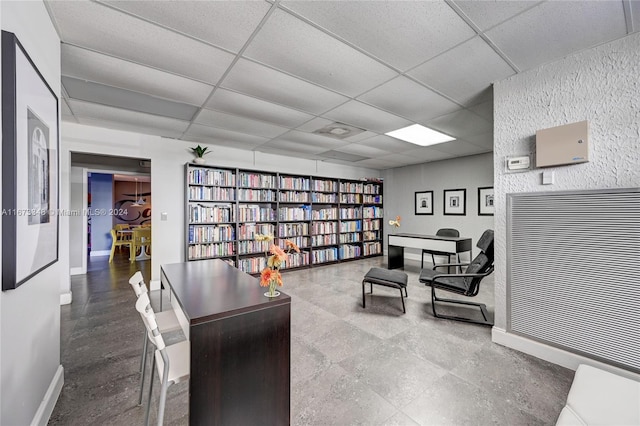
(372, 212)
(249, 247)
(211, 193)
(294, 197)
(351, 198)
(372, 199)
(320, 197)
(251, 212)
(294, 213)
(349, 213)
(326, 255)
(349, 252)
(325, 214)
(256, 180)
(369, 249)
(324, 228)
(212, 177)
(371, 225)
(252, 265)
(256, 195)
(295, 183)
(352, 226)
(351, 187)
(207, 214)
(295, 260)
(352, 237)
(301, 242)
(211, 233)
(248, 231)
(287, 230)
(324, 240)
(370, 235)
(325, 185)
(203, 251)
(371, 188)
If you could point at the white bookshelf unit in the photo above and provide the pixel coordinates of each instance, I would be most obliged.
(330, 219)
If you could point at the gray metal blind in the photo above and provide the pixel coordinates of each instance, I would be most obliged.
(574, 271)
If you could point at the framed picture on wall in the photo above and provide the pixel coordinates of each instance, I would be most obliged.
(485, 201)
(424, 202)
(29, 167)
(455, 201)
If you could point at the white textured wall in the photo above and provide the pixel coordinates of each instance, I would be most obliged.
(30, 314)
(168, 157)
(600, 85)
(401, 184)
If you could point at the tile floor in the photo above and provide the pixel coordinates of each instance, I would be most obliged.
(349, 365)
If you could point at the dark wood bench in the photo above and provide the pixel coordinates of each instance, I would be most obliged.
(387, 278)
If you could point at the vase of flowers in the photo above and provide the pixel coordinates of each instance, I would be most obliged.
(395, 223)
(276, 257)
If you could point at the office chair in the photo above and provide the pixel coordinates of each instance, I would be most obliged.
(443, 232)
(466, 284)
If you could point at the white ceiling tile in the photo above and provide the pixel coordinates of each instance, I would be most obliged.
(322, 142)
(135, 128)
(291, 146)
(387, 143)
(409, 99)
(274, 86)
(555, 29)
(247, 106)
(484, 140)
(296, 47)
(360, 136)
(190, 137)
(225, 137)
(379, 163)
(363, 150)
(92, 66)
(465, 71)
(128, 119)
(315, 124)
(239, 124)
(460, 124)
(484, 110)
(428, 154)
(403, 34)
(458, 148)
(286, 152)
(105, 30)
(366, 117)
(487, 13)
(227, 24)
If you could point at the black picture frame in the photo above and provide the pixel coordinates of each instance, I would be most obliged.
(30, 167)
(485, 201)
(455, 202)
(424, 203)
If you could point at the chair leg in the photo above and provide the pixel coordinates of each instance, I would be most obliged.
(363, 299)
(163, 396)
(113, 250)
(405, 292)
(481, 306)
(402, 297)
(371, 288)
(153, 370)
(422, 260)
(143, 365)
(433, 260)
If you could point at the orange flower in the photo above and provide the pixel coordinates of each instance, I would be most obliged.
(398, 218)
(292, 246)
(267, 275)
(278, 253)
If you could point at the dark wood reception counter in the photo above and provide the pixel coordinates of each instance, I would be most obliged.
(240, 344)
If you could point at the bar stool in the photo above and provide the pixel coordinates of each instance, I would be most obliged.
(166, 320)
(173, 362)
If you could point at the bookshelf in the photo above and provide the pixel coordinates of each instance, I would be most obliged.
(330, 219)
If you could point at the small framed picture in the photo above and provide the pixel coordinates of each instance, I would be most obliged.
(455, 201)
(424, 202)
(485, 201)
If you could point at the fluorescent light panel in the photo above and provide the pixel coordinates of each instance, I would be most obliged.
(420, 135)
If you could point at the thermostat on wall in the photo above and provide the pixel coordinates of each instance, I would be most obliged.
(518, 163)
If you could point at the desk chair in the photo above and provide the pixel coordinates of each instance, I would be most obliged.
(467, 284)
(173, 362)
(166, 320)
(118, 241)
(443, 232)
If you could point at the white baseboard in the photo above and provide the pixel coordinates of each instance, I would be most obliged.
(43, 414)
(77, 271)
(66, 298)
(552, 354)
(100, 253)
(154, 285)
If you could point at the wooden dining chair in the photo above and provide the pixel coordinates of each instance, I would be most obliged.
(118, 242)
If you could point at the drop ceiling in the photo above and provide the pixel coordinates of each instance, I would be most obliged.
(264, 76)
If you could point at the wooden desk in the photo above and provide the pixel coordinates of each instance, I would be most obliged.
(398, 242)
(240, 344)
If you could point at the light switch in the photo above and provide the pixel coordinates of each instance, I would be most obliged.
(547, 177)
(163, 216)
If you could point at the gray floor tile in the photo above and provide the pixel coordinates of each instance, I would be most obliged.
(343, 340)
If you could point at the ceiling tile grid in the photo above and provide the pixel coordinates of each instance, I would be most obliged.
(263, 76)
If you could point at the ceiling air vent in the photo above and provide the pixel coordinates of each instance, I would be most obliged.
(338, 131)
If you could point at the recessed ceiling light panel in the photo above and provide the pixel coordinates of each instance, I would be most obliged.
(420, 135)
